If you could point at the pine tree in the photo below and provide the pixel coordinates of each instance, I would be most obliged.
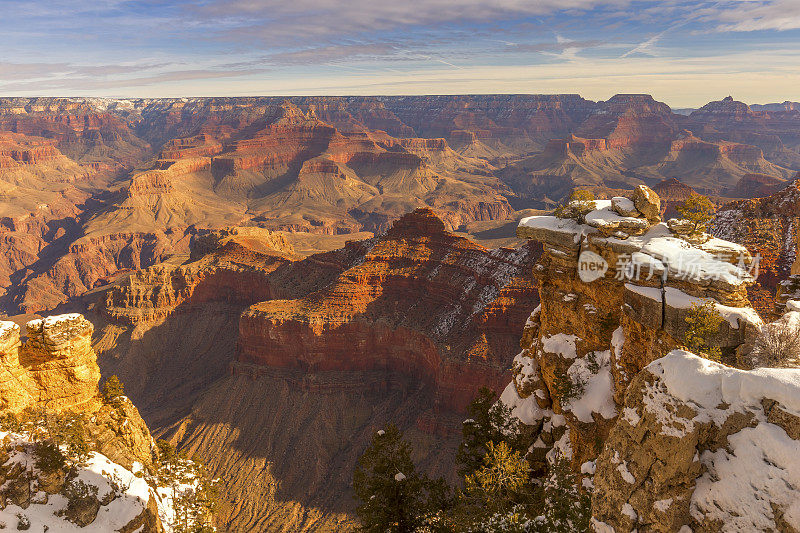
(394, 496)
(502, 481)
(698, 210)
(566, 508)
(489, 421)
(113, 390)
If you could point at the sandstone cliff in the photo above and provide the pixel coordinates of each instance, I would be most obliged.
(276, 370)
(615, 290)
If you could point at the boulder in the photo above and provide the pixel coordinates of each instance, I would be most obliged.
(680, 226)
(647, 202)
(624, 207)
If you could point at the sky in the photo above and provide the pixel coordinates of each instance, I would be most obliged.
(685, 53)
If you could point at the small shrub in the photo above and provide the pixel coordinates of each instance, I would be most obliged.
(567, 389)
(49, 457)
(23, 522)
(78, 490)
(581, 203)
(704, 321)
(778, 345)
(698, 210)
(70, 431)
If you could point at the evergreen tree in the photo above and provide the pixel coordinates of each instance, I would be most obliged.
(394, 496)
(489, 421)
(698, 210)
(566, 508)
(113, 390)
(502, 481)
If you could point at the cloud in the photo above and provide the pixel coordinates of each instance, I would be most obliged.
(754, 15)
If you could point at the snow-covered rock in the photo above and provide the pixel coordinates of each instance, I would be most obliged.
(704, 446)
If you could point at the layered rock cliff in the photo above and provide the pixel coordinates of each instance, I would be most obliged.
(616, 287)
(276, 370)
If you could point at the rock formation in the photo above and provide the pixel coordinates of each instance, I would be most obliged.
(704, 446)
(279, 368)
(615, 289)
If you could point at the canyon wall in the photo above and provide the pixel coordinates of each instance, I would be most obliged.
(616, 288)
(275, 370)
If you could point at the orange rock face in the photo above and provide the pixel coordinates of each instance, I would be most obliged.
(424, 305)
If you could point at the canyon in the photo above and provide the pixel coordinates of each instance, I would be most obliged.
(275, 369)
(274, 279)
(125, 184)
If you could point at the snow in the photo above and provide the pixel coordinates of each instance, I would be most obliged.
(7, 327)
(707, 384)
(653, 293)
(561, 344)
(735, 316)
(618, 341)
(758, 470)
(624, 204)
(399, 477)
(627, 510)
(631, 416)
(686, 261)
(589, 467)
(662, 505)
(658, 248)
(53, 321)
(764, 458)
(381, 433)
(525, 409)
(556, 225)
(622, 468)
(133, 495)
(791, 305)
(598, 388)
(600, 218)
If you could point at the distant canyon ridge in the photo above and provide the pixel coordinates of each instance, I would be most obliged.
(91, 188)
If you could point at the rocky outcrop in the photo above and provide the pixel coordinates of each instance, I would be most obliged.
(417, 308)
(55, 369)
(757, 186)
(703, 446)
(615, 292)
(230, 265)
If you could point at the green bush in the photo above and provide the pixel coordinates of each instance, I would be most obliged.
(704, 321)
(49, 457)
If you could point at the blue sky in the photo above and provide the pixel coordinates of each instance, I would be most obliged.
(685, 53)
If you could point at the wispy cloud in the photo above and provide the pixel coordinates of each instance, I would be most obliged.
(153, 47)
